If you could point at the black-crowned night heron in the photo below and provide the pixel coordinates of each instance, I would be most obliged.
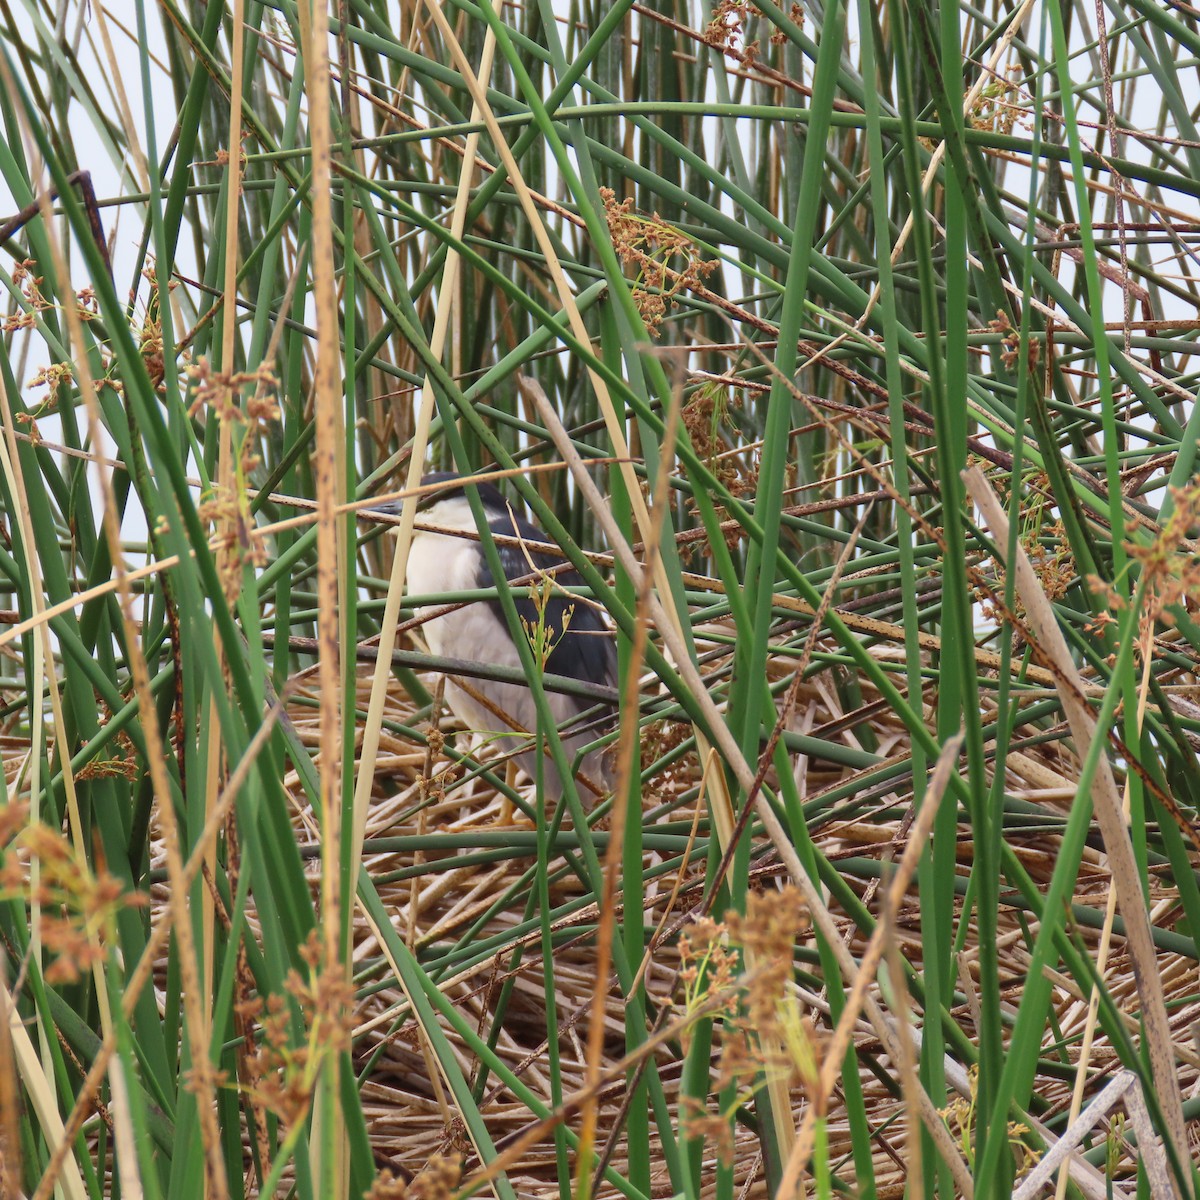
(449, 558)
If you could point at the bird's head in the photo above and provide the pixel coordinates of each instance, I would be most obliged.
(451, 489)
(445, 504)
(448, 506)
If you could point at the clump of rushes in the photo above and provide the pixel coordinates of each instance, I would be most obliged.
(741, 969)
(79, 906)
(650, 244)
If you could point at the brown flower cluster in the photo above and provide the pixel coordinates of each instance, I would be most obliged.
(658, 741)
(708, 966)
(79, 905)
(1170, 565)
(704, 416)
(89, 304)
(767, 934)
(122, 765)
(796, 13)
(760, 1026)
(30, 288)
(433, 787)
(1045, 543)
(110, 768)
(227, 507)
(728, 24)
(1001, 107)
(1010, 339)
(438, 1180)
(282, 1075)
(218, 392)
(649, 244)
(28, 420)
(54, 377)
(150, 339)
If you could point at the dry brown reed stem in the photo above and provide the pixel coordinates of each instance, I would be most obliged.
(159, 933)
(329, 469)
(910, 1082)
(114, 80)
(1107, 803)
(1110, 912)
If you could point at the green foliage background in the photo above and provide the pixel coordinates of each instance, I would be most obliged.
(942, 237)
